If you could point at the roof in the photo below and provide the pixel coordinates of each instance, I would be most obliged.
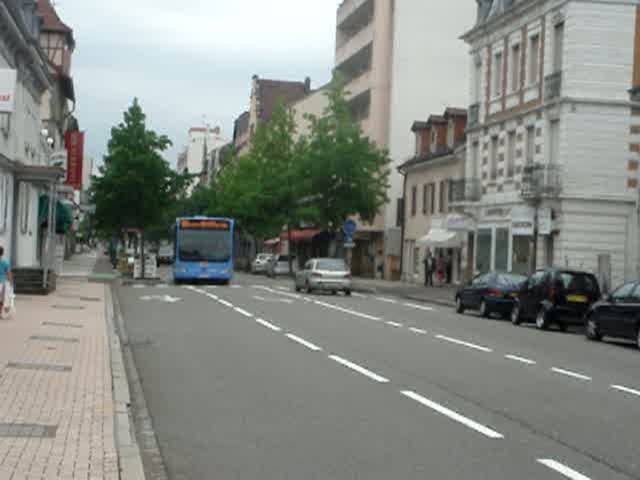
(241, 124)
(417, 126)
(455, 112)
(300, 235)
(270, 92)
(419, 159)
(436, 119)
(51, 21)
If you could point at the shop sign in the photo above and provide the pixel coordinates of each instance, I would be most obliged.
(522, 221)
(544, 221)
(8, 79)
(459, 223)
(74, 141)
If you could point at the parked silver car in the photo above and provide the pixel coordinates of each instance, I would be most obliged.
(261, 263)
(279, 265)
(326, 274)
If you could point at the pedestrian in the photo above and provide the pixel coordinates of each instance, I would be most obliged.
(113, 253)
(440, 266)
(448, 267)
(6, 278)
(429, 267)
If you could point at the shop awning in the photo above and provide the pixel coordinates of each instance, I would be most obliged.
(440, 238)
(300, 236)
(64, 215)
(272, 242)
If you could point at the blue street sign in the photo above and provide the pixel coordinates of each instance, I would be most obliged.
(349, 228)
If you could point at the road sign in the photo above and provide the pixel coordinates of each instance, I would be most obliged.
(349, 228)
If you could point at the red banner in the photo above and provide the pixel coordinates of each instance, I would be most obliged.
(74, 141)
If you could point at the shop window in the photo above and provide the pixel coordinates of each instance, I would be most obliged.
(521, 255)
(483, 255)
(502, 249)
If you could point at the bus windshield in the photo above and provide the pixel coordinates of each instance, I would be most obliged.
(204, 245)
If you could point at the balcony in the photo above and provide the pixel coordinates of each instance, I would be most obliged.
(540, 181)
(465, 191)
(552, 86)
(357, 64)
(358, 86)
(474, 115)
(353, 44)
(352, 13)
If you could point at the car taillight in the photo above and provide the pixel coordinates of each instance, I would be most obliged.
(494, 292)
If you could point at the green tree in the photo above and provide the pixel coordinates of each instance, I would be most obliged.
(136, 185)
(348, 174)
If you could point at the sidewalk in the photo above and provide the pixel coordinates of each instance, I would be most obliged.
(444, 295)
(56, 399)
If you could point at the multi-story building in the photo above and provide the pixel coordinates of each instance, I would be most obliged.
(430, 179)
(548, 137)
(380, 51)
(25, 153)
(195, 157)
(265, 95)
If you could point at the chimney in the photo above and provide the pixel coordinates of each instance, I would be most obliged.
(307, 84)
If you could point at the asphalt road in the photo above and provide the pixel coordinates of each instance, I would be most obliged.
(255, 381)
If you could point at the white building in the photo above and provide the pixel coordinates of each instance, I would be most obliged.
(549, 137)
(202, 141)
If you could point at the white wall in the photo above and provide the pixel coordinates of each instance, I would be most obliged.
(429, 73)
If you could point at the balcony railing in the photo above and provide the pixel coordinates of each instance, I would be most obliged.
(474, 115)
(465, 191)
(540, 181)
(552, 85)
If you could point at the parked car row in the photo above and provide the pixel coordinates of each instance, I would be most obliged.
(273, 265)
(559, 297)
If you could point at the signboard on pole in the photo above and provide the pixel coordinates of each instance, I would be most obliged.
(8, 79)
(522, 221)
(74, 141)
(544, 221)
(349, 229)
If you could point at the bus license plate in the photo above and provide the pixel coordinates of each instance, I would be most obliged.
(577, 298)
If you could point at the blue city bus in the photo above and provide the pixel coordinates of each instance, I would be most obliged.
(204, 249)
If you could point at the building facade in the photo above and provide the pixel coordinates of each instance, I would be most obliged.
(430, 179)
(548, 141)
(380, 52)
(196, 156)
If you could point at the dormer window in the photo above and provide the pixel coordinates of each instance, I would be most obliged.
(433, 140)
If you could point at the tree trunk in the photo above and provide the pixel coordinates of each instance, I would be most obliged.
(290, 250)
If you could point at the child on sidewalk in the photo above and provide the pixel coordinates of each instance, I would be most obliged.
(5, 276)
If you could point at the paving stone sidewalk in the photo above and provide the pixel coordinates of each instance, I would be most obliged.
(56, 401)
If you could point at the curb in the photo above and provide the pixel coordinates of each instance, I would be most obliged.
(129, 458)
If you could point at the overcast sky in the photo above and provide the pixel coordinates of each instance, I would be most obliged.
(189, 58)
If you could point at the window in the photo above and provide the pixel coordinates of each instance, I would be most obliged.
(424, 199)
(443, 196)
(511, 153)
(483, 255)
(432, 198)
(494, 157)
(623, 292)
(477, 83)
(414, 194)
(481, 279)
(418, 135)
(450, 133)
(558, 46)
(554, 141)
(515, 68)
(433, 139)
(475, 148)
(502, 249)
(400, 212)
(24, 194)
(497, 75)
(534, 60)
(531, 144)
(536, 279)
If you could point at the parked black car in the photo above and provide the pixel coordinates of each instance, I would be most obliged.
(489, 292)
(617, 315)
(555, 296)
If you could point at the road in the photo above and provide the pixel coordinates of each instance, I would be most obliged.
(256, 381)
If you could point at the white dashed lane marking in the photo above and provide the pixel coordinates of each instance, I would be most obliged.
(243, 312)
(569, 373)
(418, 330)
(562, 469)
(395, 324)
(346, 310)
(359, 369)
(303, 342)
(488, 432)
(386, 300)
(419, 307)
(520, 359)
(225, 303)
(270, 326)
(464, 344)
(622, 388)
(358, 295)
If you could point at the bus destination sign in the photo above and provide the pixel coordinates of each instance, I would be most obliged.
(205, 225)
